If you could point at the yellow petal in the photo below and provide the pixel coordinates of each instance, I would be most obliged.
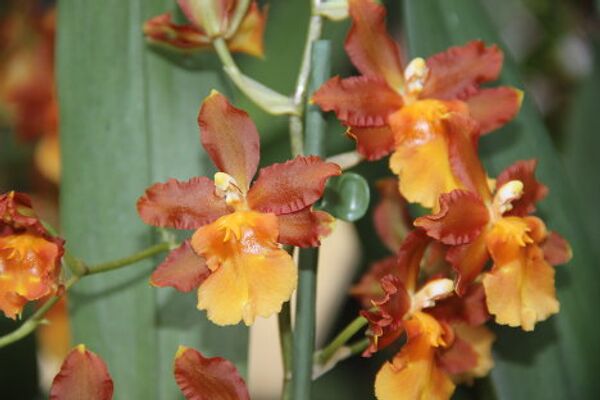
(414, 373)
(251, 275)
(520, 287)
(421, 159)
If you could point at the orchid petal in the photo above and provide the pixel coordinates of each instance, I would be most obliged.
(230, 138)
(390, 216)
(469, 308)
(288, 187)
(493, 108)
(461, 219)
(457, 72)
(161, 30)
(201, 378)
(182, 269)
(464, 159)
(83, 375)
(249, 36)
(369, 45)
(372, 143)
(369, 287)
(386, 316)
(468, 260)
(557, 250)
(520, 287)
(421, 159)
(359, 101)
(304, 228)
(181, 204)
(414, 373)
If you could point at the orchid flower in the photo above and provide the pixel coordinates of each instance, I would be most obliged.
(234, 257)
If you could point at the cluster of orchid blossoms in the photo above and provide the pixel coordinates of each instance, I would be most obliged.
(475, 253)
(437, 292)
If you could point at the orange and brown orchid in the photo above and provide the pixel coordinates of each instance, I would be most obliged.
(234, 257)
(479, 223)
(29, 256)
(446, 342)
(393, 107)
(247, 37)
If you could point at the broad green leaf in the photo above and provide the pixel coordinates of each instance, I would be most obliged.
(346, 197)
(559, 359)
(128, 119)
(581, 144)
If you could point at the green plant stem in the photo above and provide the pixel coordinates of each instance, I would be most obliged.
(286, 339)
(304, 329)
(358, 347)
(341, 339)
(308, 259)
(341, 354)
(295, 125)
(79, 270)
(132, 259)
(263, 96)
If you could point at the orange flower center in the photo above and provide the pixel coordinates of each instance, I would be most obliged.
(27, 265)
(251, 276)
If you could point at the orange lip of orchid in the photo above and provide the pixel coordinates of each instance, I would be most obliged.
(29, 256)
(234, 257)
(393, 107)
(247, 38)
(520, 286)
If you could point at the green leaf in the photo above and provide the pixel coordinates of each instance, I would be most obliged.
(559, 360)
(346, 197)
(128, 119)
(582, 143)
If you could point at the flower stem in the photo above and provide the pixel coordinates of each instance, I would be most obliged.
(286, 338)
(347, 160)
(341, 339)
(359, 346)
(304, 333)
(296, 126)
(341, 354)
(132, 259)
(263, 96)
(79, 270)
